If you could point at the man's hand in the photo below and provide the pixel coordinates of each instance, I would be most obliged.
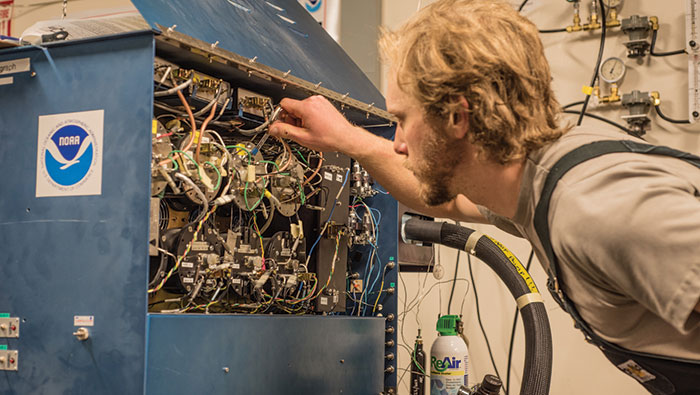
(315, 123)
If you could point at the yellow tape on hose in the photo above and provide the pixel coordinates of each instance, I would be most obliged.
(518, 266)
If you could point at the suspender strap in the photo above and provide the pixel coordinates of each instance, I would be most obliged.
(541, 220)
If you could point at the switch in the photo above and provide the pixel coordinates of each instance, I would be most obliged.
(82, 334)
(9, 327)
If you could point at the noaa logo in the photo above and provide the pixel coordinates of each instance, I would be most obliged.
(69, 155)
(313, 5)
(69, 159)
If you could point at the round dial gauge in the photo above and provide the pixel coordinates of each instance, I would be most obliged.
(612, 3)
(612, 70)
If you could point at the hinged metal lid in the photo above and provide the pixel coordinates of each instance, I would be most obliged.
(276, 33)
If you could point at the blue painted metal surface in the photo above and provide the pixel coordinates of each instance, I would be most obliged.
(88, 255)
(264, 355)
(264, 29)
(84, 255)
(387, 252)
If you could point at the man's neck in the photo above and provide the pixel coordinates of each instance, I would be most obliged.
(496, 186)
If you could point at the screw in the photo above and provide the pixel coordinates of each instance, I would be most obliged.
(692, 43)
(33, 74)
(226, 369)
(342, 361)
(696, 114)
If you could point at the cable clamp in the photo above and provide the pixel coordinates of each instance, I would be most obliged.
(471, 242)
(526, 299)
(587, 90)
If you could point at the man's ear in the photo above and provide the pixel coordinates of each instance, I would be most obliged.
(460, 119)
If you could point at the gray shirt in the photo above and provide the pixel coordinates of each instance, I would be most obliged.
(626, 230)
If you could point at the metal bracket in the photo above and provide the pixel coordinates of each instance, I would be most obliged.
(9, 327)
(9, 359)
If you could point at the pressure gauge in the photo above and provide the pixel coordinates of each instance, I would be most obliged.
(612, 70)
(612, 3)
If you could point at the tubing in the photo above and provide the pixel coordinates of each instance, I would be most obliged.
(538, 338)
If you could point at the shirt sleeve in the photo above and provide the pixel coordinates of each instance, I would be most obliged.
(639, 231)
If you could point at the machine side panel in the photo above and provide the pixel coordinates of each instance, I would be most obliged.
(82, 256)
(238, 354)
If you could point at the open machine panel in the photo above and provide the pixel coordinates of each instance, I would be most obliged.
(212, 259)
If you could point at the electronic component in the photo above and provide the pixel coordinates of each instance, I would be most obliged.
(638, 104)
(229, 206)
(637, 29)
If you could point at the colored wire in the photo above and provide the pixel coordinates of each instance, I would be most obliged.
(597, 64)
(184, 254)
(318, 168)
(202, 130)
(218, 173)
(192, 122)
(323, 230)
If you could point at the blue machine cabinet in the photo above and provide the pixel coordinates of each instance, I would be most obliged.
(68, 258)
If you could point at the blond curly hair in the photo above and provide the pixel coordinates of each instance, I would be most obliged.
(486, 52)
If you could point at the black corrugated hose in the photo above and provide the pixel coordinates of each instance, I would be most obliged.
(538, 338)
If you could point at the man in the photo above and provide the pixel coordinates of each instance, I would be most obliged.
(478, 133)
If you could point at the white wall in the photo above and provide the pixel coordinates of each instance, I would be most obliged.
(578, 367)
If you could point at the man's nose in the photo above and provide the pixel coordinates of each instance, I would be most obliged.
(399, 142)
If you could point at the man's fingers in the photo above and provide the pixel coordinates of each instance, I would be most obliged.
(295, 108)
(287, 131)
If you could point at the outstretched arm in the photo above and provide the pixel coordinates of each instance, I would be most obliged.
(315, 123)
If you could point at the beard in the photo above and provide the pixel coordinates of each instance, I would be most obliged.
(435, 171)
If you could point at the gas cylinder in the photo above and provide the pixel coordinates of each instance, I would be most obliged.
(448, 358)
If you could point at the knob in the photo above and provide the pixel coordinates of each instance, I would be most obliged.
(82, 334)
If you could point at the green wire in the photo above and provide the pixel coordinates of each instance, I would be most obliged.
(274, 163)
(177, 151)
(241, 148)
(302, 157)
(218, 173)
(301, 193)
(170, 156)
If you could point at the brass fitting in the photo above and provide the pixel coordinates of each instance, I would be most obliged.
(613, 97)
(654, 20)
(656, 98)
(613, 20)
(576, 27)
(594, 23)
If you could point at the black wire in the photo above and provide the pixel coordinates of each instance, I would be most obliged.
(659, 54)
(454, 281)
(478, 316)
(597, 64)
(512, 331)
(598, 117)
(562, 30)
(574, 104)
(667, 119)
(522, 5)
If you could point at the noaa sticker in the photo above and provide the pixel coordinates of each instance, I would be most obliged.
(69, 154)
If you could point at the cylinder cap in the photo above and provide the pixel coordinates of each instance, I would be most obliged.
(447, 325)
